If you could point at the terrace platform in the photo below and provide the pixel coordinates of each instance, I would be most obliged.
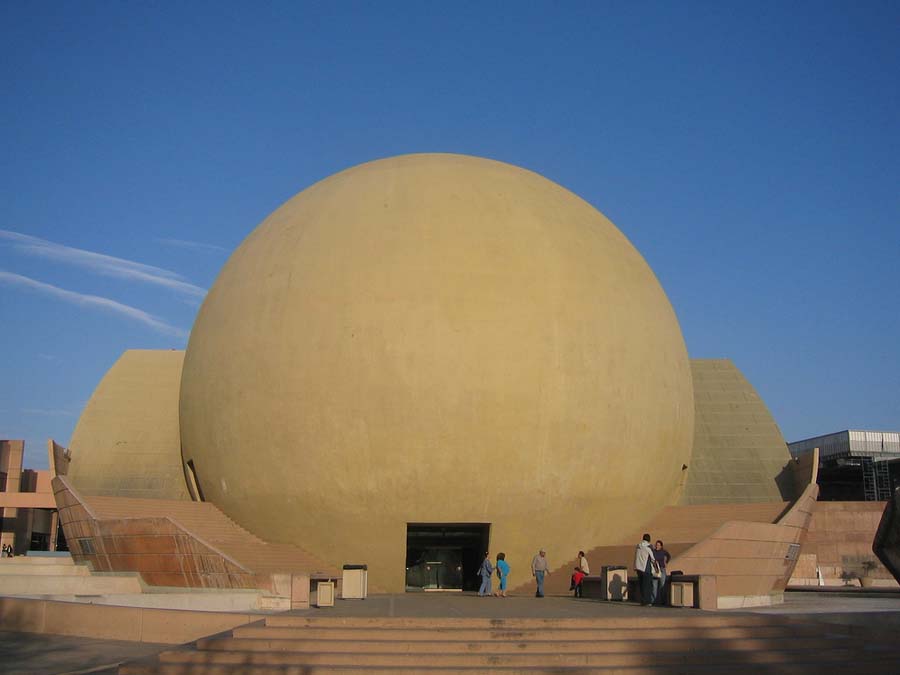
(464, 634)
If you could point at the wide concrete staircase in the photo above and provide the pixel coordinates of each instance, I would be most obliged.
(680, 527)
(53, 575)
(675, 642)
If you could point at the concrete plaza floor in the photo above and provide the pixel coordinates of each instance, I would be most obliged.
(22, 653)
(36, 654)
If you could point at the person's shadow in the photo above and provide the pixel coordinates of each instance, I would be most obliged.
(618, 589)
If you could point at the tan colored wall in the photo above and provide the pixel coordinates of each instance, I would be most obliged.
(43, 482)
(11, 453)
(127, 440)
(839, 544)
(739, 452)
(436, 338)
(134, 624)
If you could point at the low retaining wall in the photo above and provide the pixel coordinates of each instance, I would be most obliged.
(838, 548)
(134, 624)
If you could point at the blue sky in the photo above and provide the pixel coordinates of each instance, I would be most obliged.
(750, 151)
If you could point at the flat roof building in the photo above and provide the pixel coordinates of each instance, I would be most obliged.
(853, 464)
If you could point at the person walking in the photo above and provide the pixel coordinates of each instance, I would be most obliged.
(486, 572)
(662, 559)
(643, 565)
(503, 573)
(539, 567)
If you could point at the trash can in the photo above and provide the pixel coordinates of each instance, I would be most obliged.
(614, 582)
(325, 594)
(355, 582)
(681, 591)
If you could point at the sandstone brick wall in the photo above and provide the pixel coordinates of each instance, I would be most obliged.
(839, 544)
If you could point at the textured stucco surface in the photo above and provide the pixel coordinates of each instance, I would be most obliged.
(739, 452)
(126, 442)
(436, 338)
(839, 544)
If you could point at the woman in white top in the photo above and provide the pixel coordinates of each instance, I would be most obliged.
(583, 563)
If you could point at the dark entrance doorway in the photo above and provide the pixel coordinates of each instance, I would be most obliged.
(445, 556)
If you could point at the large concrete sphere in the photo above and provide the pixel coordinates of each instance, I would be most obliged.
(437, 339)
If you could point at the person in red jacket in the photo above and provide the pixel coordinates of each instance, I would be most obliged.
(577, 578)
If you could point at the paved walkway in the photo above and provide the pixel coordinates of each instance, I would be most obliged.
(35, 654)
(22, 653)
(864, 610)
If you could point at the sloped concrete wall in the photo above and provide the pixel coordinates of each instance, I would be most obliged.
(752, 562)
(739, 453)
(127, 442)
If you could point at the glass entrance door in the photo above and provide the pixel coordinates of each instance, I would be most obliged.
(445, 556)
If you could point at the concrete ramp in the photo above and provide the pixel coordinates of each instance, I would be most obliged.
(680, 527)
(173, 543)
(742, 554)
(209, 525)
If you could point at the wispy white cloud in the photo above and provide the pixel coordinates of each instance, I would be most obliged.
(94, 301)
(101, 264)
(193, 245)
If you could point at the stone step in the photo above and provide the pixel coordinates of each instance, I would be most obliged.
(724, 657)
(663, 619)
(61, 569)
(527, 645)
(27, 584)
(219, 601)
(860, 667)
(462, 635)
(38, 560)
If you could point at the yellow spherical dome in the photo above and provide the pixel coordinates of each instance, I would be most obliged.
(436, 339)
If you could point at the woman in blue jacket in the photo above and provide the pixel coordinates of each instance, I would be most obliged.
(503, 573)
